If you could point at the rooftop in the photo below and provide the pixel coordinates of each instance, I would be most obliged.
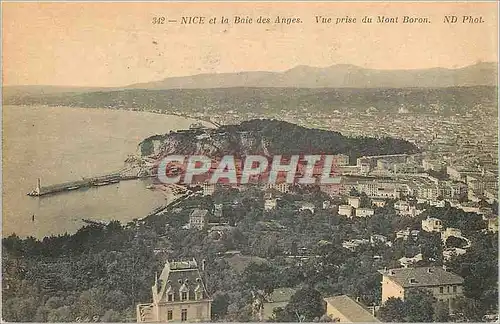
(422, 277)
(199, 212)
(182, 265)
(178, 276)
(351, 309)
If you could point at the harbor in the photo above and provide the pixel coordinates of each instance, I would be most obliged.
(108, 179)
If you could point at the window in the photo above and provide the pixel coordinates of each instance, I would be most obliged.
(198, 295)
(170, 297)
(170, 315)
(448, 289)
(199, 312)
(454, 289)
(184, 295)
(441, 290)
(184, 315)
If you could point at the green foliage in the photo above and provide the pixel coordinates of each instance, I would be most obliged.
(392, 311)
(219, 306)
(417, 307)
(306, 305)
(441, 312)
(468, 310)
(260, 276)
(85, 275)
(479, 267)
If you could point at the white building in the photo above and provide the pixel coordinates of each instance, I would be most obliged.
(208, 188)
(407, 233)
(197, 219)
(378, 202)
(270, 203)
(354, 201)
(406, 262)
(345, 210)
(377, 189)
(432, 225)
(353, 244)
(282, 187)
(449, 253)
(402, 205)
(364, 212)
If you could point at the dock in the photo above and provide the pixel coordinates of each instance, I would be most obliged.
(103, 180)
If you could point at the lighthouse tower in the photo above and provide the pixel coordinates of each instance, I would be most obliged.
(38, 186)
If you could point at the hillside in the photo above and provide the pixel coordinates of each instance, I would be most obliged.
(445, 101)
(268, 137)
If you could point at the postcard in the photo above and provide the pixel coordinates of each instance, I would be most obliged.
(249, 161)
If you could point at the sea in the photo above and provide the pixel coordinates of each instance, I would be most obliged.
(58, 144)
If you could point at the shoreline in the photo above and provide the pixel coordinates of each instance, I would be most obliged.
(61, 214)
(120, 110)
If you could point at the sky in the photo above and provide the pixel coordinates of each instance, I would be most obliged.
(115, 44)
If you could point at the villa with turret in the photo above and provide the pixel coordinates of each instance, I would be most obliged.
(179, 295)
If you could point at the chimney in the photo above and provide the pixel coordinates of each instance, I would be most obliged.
(430, 270)
(203, 264)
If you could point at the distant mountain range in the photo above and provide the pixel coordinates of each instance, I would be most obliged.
(335, 76)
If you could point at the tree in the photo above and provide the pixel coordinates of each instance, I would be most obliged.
(468, 310)
(111, 316)
(441, 312)
(419, 306)
(219, 306)
(364, 201)
(260, 276)
(393, 310)
(61, 314)
(353, 192)
(307, 304)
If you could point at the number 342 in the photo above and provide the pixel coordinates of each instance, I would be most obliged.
(158, 20)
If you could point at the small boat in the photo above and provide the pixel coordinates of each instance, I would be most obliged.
(150, 187)
(101, 183)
